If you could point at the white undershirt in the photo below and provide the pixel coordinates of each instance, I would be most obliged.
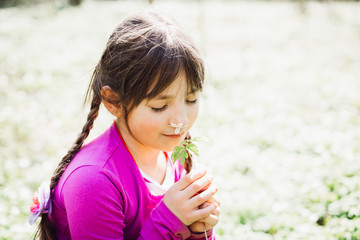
(156, 188)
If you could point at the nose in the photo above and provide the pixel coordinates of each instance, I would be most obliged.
(179, 116)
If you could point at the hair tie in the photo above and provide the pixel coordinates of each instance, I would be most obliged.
(41, 202)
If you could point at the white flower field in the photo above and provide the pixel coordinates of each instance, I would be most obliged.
(281, 108)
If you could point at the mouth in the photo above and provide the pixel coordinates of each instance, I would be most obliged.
(173, 135)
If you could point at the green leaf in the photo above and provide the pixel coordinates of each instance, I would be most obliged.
(173, 157)
(176, 154)
(186, 154)
(182, 161)
(182, 154)
(185, 150)
(195, 151)
(190, 145)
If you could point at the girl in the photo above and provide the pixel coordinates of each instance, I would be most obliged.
(122, 185)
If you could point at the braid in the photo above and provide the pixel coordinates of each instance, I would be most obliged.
(94, 110)
(188, 164)
(188, 161)
(46, 230)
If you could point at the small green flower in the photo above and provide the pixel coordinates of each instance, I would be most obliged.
(185, 150)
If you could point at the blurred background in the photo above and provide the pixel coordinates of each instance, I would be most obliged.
(281, 106)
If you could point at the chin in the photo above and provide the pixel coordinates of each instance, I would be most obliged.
(170, 148)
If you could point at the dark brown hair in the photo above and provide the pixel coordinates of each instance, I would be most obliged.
(143, 56)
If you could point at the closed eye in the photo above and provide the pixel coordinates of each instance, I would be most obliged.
(159, 109)
(191, 102)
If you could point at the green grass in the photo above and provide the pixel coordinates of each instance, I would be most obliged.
(281, 108)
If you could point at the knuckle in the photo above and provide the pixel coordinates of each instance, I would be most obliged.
(187, 178)
(204, 214)
(200, 198)
(196, 186)
(196, 174)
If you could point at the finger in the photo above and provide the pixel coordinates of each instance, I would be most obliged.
(214, 199)
(199, 199)
(198, 186)
(205, 204)
(188, 179)
(210, 220)
(215, 212)
(203, 212)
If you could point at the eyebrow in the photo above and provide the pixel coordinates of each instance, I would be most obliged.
(166, 97)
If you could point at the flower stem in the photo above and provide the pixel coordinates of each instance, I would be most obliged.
(205, 232)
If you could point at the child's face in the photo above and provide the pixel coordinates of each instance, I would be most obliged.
(149, 121)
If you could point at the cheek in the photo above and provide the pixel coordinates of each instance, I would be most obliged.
(147, 122)
(153, 124)
(193, 114)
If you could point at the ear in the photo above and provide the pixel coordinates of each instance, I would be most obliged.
(109, 97)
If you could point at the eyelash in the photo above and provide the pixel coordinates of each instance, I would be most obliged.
(159, 109)
(165, 106)
(191, 102)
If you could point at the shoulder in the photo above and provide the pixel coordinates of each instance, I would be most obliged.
(98, 151)
(94, 166)
(89, 187)
(89, 180)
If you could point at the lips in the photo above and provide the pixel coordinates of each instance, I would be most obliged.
(174, 135)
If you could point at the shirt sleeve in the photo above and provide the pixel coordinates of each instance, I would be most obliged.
(167, 226)
(164, 225)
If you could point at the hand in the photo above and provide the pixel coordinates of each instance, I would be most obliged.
(205, 224)
(187, 194)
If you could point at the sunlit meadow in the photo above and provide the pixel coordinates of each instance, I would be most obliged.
(281, 108)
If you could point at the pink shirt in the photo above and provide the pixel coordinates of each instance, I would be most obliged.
(102, 195)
